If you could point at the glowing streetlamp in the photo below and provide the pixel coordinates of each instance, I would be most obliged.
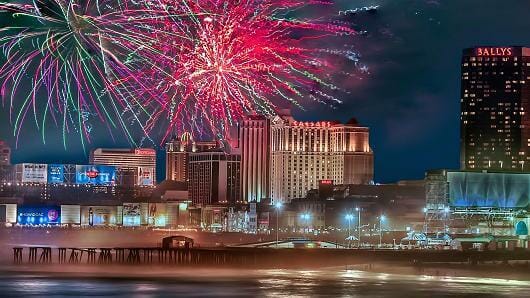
(349, 218)
(359, 226)
(278, 207)
(382, 218)
(306, 217)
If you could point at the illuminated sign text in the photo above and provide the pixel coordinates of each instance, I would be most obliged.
(490, 52)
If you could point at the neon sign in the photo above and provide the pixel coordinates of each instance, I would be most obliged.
(144, 152)
(491, 52)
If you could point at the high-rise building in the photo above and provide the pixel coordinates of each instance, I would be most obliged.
(140, 162)
(5, 154)
(304, 153)
(214, 178)
(495, 104)
(254, 144)
(177, 156)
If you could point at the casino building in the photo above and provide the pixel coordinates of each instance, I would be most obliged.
(178, 156)
(214, 178)
(255, 145)
(304, 153)
(495, 109)
(477, 202)
(137, 164)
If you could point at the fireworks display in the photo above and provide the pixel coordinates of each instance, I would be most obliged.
(187, 65)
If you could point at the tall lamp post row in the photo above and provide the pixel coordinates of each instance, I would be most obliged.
(349, 217)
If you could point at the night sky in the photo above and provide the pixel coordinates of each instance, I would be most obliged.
(410, 99)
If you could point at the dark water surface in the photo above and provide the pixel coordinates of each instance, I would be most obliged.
(260, 283)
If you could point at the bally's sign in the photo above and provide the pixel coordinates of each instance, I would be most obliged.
(493, 52)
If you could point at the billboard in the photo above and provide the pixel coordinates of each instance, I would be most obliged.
(99, 215)
(146, 176)
(34, 173)
(55, 174)
(39, 215)
(71, 214)
(131, 214)
(157, 215)
(498, 190)
(95, 174)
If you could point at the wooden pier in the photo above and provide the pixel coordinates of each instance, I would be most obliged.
(133, 255)
(249, 257)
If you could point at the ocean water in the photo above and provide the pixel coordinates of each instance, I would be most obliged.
(257, 283)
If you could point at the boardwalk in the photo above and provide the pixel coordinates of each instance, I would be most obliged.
(248, 257)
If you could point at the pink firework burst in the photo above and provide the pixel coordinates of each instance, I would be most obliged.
(218, 61)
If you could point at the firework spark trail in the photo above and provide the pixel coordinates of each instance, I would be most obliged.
(164, 63)
(68, 54)
(221, 60)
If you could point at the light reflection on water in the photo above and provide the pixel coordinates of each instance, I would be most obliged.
(262, 283)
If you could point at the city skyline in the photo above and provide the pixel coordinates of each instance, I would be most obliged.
(228, 148)
(426, 63)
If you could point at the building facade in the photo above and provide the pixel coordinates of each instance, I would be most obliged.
(495, 105)
(214, 178)
(304, 153)
(5, 154)
(141, 163)
(177, 156)
(254, 142)
(475, 201)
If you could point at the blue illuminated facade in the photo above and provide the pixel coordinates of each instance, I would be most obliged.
(39, 215)
(95, 174)
(485, 189)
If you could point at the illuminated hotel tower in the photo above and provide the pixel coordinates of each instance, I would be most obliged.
(140, 161)
(177, 156)
(254, 136)
(495, 104)
(303, 153)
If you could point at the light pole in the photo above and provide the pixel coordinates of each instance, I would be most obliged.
(305, 218)
(349, 218)
(359, 226)
(381, 219)
(278, 206)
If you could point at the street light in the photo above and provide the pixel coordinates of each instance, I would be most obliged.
(359, 226)
(306, 217)
(381, 219)
(278, 207)
(349, 218)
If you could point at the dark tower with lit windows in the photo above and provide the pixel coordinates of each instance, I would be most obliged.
(495, 102)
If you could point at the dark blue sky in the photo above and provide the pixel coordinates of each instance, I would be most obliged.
(410, 100)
